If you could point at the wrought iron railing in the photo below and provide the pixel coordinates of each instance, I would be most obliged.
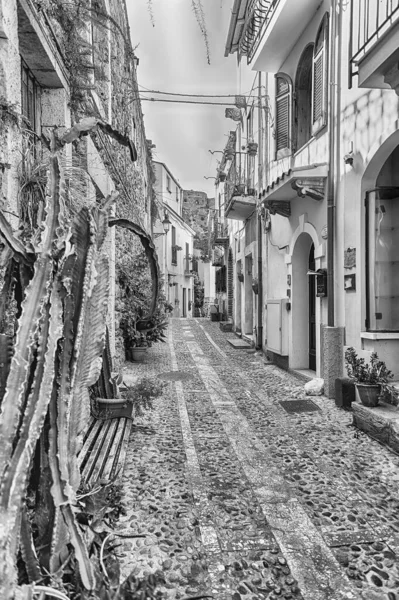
(258, 16)
(238, 183)
(371, 19)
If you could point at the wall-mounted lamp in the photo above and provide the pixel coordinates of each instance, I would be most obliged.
(166, 226)
(349, 158)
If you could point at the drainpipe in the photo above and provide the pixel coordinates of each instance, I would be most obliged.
(332, 174)
(259, 329)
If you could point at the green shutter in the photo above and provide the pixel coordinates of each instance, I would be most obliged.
(320, 78)
(283, 117)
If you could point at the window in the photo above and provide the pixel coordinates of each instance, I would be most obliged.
(303, 99)
(382, 262)
(187, 267)
(320, 77)
(174, 249)
(283, 115)
(168, 184)
(177, 194)
(30, 91)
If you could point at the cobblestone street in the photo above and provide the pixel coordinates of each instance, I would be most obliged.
(238, 498)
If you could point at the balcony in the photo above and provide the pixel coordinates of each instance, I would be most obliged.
(270, 30)
(240, 196)
(374, 43)
(221, 233)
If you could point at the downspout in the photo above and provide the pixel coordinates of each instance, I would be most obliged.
(259, 329)
(332, 175)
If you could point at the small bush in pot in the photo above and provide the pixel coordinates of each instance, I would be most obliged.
(371, 379)
(142, 394)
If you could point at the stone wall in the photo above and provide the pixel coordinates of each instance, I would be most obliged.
(93, 68)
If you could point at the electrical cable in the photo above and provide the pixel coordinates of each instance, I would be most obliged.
(146, 90)
(187, 101)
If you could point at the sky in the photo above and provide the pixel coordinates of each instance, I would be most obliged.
(172, 58)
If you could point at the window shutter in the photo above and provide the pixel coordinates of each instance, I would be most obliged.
(283, 116)
(320, 78)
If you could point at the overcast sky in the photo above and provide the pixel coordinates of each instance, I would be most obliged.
(173, 59)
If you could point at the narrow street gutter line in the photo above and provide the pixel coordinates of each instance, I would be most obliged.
(212, 342)
(205, 508)
(311, 562)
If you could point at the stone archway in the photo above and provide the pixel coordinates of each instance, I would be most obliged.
(151, 254)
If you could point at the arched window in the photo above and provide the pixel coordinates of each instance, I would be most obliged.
(320, 77)
(283, 115)
(303, 99)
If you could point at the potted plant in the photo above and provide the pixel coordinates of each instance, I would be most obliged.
(139, 347)
(132, 401)
(142, 394)
(239, 189)
(252, 148)
(371, 379)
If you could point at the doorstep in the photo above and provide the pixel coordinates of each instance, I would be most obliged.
(303, 374)
(380, 422)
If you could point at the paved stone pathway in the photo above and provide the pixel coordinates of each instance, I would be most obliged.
(238, 498)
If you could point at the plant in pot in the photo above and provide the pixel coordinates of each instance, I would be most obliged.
(142, 394)
(371, 379)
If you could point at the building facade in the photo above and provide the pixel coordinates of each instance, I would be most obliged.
(61, 63)
(326, 187)
(175, 246)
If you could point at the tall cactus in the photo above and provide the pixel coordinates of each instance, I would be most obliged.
(56, 357)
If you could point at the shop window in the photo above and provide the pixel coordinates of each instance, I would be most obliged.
(320, 77)
(283, 115)
(382, 254)
(303, 99)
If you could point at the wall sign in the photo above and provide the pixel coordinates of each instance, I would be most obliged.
(350, 258)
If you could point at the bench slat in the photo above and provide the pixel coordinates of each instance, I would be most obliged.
(105, 451)
(102, 434)
(124, 444)
(115, 450)
(89, 441)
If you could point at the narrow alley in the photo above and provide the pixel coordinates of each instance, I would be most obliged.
(241, 491)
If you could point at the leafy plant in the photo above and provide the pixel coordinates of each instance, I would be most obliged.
(142, 394)
(374, 372)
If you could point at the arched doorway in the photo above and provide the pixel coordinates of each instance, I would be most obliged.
(230, 291)
(303, 354)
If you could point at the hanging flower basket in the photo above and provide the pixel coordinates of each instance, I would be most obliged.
(222, 176)
(252, 148)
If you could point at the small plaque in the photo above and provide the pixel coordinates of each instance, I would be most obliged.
(350, 258)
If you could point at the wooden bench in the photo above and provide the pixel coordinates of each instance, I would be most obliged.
(104, 449)
(103, 452)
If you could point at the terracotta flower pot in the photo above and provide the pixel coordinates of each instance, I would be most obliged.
(112, 408)
(368, 393)
(139, 353)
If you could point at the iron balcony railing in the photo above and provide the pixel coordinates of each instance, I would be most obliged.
(258, 17)
(238, 183)
(371, 20)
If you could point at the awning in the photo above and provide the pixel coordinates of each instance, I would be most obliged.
(308, 181)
